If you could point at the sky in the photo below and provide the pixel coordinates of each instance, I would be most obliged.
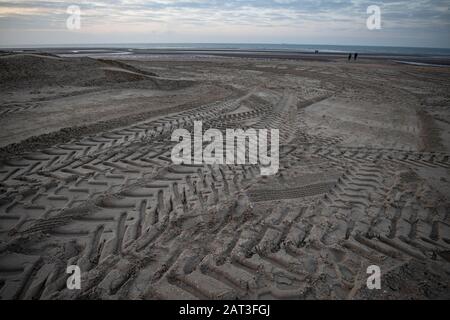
(414, 23)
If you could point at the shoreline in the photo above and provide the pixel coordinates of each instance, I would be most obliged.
(298, 55)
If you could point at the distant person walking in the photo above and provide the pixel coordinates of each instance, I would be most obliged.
(349, 56)
(356, 56)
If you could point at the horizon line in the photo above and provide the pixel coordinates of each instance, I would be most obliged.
(13, 46)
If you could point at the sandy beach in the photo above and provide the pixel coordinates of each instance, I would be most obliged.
(86, 177)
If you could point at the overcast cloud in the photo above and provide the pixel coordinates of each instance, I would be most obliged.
(404, 23)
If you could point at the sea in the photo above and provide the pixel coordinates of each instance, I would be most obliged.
(301, 48)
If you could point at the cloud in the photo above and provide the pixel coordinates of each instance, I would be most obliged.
(419, 23)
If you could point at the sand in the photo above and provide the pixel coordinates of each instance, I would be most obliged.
(87, 179)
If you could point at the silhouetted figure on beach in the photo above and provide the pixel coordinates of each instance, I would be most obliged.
(349, 56)
(356, 56)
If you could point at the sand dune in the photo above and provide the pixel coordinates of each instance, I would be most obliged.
(38, 70)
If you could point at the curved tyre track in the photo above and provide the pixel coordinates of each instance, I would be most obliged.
(141, 227)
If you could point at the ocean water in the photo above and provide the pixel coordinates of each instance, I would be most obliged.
(375, 50)
(299, 48)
